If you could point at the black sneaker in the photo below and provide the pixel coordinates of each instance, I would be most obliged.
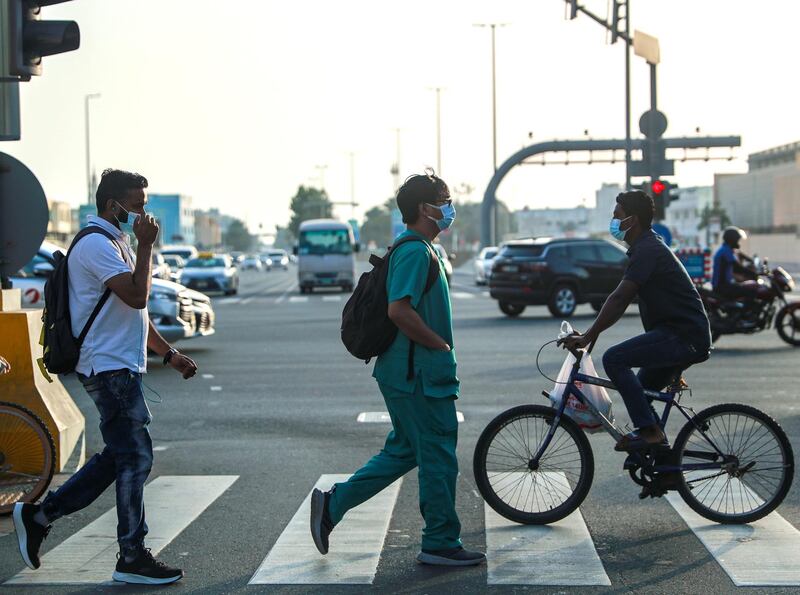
(30, 534)
(145, 570)
(457, 556)
(321, 523)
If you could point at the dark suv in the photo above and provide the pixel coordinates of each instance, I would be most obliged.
(560, 273)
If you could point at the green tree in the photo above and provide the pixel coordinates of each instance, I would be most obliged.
(714, 212)
(309, 203)
(377, 226)
(237, 236)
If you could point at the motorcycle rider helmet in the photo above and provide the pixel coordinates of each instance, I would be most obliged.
(733, 235)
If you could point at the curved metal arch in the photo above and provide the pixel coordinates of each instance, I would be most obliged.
(553, 146)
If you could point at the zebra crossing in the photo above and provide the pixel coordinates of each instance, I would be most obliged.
(763, 553)
(333, 298)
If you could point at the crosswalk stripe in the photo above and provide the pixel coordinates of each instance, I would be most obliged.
(561, 553)
(760, 554)
(88, 557)
(331, 298)
(382, 417)
(298, 299)
(355, 545)
(462, 295)
(226, 301)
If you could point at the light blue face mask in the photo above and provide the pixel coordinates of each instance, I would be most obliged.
(125, 223)
(448, 216)
(615, 231)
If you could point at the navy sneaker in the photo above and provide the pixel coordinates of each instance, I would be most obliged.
(145, 570)
(456, 556)
(30, 534)
(321, 523)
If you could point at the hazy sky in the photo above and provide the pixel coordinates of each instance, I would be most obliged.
(236, 103)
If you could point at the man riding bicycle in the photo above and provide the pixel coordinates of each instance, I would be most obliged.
(730, 277)
(677, 332)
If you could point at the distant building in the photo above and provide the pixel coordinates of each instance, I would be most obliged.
(207, 229)
(684, 215)
(224, 220)
(536, 223)
(175, 217)
(605, 200)
(60, 226)
(767, 196)
(82, 214)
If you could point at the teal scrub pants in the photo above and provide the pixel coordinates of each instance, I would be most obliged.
(424, 435)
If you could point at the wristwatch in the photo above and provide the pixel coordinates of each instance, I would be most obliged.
(168, 355)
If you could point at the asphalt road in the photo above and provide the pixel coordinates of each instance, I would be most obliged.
(278, 404)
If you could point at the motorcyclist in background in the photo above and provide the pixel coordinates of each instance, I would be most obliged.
(731, 278)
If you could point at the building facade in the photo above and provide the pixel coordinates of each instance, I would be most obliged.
(207, 230)
(537, 223)
(60, 226)
(175, 217)
(766, 197)
(683, 217)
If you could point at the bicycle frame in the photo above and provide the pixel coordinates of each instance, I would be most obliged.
(668, 398)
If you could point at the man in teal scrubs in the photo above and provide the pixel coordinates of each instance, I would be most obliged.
(420, 398)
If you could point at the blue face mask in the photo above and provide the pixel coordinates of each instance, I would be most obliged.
(448, 216)
(615, 231)
(125, 223)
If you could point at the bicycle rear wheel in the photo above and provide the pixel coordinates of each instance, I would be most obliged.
(27, 456)
(526, 493)
(755, 470)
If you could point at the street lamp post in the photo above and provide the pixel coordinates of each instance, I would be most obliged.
(438, 91)
(86, 99)
(493, 27)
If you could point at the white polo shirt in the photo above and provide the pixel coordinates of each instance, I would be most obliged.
(118, 337)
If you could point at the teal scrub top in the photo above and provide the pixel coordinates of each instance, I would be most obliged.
(408, 273)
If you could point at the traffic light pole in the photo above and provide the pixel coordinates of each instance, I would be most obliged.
(9, 111)
(627, 95)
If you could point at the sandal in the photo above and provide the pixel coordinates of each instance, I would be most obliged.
(634, 442)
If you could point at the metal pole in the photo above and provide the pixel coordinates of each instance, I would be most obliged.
(9, 111)
(86, 99)
(495, 226)
(653, 90)
(627, 95)
(352, 182)
(438, 132)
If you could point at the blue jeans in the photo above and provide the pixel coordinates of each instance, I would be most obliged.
(127, 457)
(660, 356)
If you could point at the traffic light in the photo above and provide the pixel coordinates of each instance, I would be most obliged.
(26, 38)
(663, 193)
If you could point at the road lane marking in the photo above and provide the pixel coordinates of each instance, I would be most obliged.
(355, 544)
(462, 295)
(331, 298)
(561, 553)
(298, 299)
(760, 554)
(282, 297)
(230, 300)
(89, 556)
(216, 388)
(382, 417)
(207, 376)
(247, 300)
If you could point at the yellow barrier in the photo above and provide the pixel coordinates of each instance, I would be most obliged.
(26, 385)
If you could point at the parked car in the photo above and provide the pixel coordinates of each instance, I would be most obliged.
(251, 261)
(483, 265)
(278, 259)
(176, 264)
(211, 272)
(560, 273)
(448, 266)
(176, 312)
(160, 268)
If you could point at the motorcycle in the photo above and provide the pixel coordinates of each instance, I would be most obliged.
(730, 316)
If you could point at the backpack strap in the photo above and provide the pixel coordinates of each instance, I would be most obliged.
(88, 230)
(433, 276)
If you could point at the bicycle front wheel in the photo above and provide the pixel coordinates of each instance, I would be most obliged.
(755, 463)
(517, 488)
(27, 456)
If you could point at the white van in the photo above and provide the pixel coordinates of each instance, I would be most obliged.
(325, 255)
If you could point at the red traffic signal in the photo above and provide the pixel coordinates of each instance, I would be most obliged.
(658, 187)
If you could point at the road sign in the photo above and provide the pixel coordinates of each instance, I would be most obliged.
(647, 47)
(664, 232)
(697, 262)
(23, 215)
(653, 123)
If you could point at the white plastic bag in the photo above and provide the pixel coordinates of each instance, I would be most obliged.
(598, 396)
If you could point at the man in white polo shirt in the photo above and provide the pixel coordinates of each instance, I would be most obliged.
(112, 360)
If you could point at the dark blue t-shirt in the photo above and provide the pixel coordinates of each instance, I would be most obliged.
(667, 297)
(724, 259)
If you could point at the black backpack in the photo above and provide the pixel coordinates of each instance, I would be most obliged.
(62, 350)
(367, 330)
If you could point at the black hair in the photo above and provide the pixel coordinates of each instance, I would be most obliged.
(639, 203)
(417, 189)
(114, 184)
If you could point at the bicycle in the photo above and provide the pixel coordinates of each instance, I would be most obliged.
(730, 463)
(27, 456)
